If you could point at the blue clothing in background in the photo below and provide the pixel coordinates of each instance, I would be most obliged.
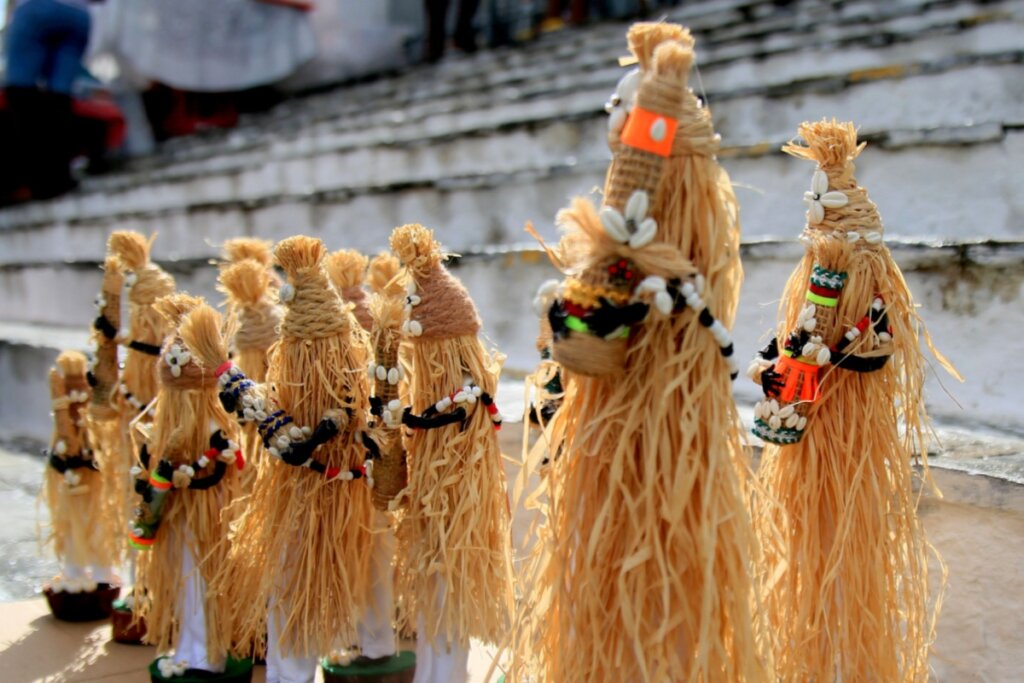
(45, 43)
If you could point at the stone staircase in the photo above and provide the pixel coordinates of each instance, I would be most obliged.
(477, 146)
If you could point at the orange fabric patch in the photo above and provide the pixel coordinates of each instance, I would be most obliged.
(799, 379)
(649, 131)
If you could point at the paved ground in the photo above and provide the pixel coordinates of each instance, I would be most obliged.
(978, 527)
(23, 563)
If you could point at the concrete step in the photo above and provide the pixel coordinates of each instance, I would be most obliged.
(477, 146)
(969, 294)
(960, 179)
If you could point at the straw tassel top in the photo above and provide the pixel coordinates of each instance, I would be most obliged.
(836, 205)
(247, 285)
(241, 248)
(145, 280)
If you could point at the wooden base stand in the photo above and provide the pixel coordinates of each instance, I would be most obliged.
(399, 668)
(85, 606)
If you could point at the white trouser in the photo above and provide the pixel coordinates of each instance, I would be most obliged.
(191, 644)
(103, 574)
(376, 634)
(439, 661)
(70, 570)
(280, 669)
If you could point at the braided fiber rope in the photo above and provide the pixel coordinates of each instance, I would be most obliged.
(661, 91)
(316, 311)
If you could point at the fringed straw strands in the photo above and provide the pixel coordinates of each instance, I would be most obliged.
(194, 517)
(384, 277)
(645, 571)
(849, 597)
(301, 539)
(455, 531)
(454, 537)
(82, 534)
(240, 249)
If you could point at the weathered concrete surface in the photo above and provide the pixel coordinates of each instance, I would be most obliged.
(970, 296)
(24, 563)
(978, 529)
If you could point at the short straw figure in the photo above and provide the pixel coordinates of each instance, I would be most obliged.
(253, 306)
(842, 416)
(387, 311)
(109, 441)
(644, 565)
(454, 534)
(380, 317)
(192, 460)
(302, 543)
(74, 493)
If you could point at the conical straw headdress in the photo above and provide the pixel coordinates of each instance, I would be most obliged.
(443, 308)
(313, 309)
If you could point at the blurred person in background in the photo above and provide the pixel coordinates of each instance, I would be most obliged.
(45, 42)
(437, 27)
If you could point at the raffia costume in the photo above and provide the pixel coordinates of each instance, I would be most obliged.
(301, 542)
(455, 579)
(73, 489)
(644, 567)
(191, 460)
(843, 415)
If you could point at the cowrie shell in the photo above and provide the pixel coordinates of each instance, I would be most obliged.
(658, 130)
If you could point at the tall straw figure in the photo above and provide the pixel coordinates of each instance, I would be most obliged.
(843, 415)
(74, 492)
(643, 572)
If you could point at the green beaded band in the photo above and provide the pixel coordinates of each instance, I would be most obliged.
(823, 277)
(782, 436)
